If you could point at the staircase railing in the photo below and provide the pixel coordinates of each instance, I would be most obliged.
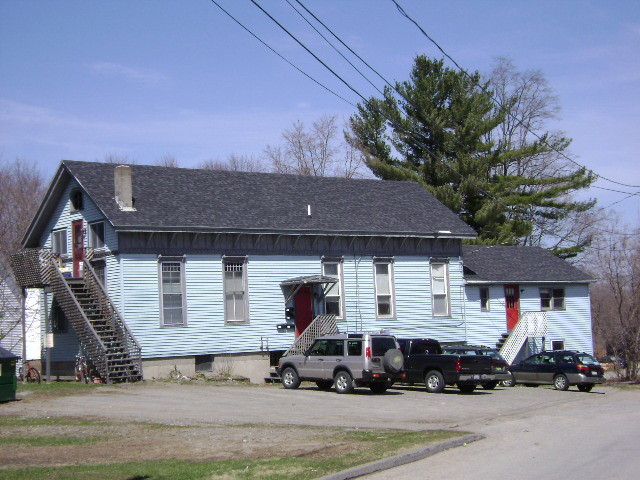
(111, 314)
(87, 335)
(531, 324)
(321, 325)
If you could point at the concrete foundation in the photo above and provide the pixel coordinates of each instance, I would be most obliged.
(254, 366)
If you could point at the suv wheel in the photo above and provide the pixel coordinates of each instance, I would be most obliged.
(324, 384)
(464, 388)
(379, 387)
(490, 385)
(393, 361)
(290, 378)
(561, 382)
(585, 388)
(344, 382)
(434, 381)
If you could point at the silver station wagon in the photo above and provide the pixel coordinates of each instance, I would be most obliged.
(346, 360)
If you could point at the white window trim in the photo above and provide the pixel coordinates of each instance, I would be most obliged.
(447, 293)
(392, 290)
(488, 307)
(183, 288)
(338, 261)
(53, 242)
(551, 307)
(245, 281)
(93, 236)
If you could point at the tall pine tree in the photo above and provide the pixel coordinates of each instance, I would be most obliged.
(438, 128)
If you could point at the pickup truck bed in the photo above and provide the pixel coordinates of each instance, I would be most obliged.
(425, 363)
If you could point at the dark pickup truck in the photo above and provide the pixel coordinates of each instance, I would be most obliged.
(425, 363)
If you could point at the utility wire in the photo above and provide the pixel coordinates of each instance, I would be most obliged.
(279, 55)
(309, 51)
(332, 46)
(390, 120)
(408, 17)
(393, 123)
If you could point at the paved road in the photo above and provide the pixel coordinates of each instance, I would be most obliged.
(531, 433)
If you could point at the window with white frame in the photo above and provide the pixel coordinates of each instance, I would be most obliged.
(235, 291)
(385, 301)
(59, 242)
(484, 299)
(552, 299)
(333, 299)
(440, 289)
(96, 235)
(173, 307)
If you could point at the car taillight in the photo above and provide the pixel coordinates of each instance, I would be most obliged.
(459, 365)
(582, 368)
(367, 352)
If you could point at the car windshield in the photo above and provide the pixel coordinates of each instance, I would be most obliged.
(493, 354)
(587, 359)
(380, 345)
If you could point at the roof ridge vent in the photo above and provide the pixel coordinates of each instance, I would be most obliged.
(124, 188)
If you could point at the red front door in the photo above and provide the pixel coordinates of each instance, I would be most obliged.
(303, 302)
(78, 246)
(512, 300)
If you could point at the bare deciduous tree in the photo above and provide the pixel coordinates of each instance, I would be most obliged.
(532, 103)
(317, 151)
(236, 163)
(168, 161)
(615, 300)
(21, 189)
(118, 159)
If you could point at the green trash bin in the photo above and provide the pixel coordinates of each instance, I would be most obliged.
(8, 380)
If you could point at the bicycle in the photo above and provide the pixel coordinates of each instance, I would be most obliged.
(84, 371)
(33, 375)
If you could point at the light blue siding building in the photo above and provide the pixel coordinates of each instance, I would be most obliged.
(194, 262)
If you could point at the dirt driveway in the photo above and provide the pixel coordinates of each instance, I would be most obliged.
(203, 421)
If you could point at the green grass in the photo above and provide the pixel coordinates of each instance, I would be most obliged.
(55, 389)
(372, 445)
(48, 441)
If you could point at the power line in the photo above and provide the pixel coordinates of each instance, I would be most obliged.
(308, 50)
(408, 17)
(332, 46)
(507, 207)
(390, 120)
(279, 55)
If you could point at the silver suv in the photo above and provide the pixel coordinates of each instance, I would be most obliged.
(344, 360)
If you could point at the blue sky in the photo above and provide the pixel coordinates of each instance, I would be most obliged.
(85, 79)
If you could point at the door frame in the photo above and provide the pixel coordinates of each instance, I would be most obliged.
(77, 246)
(513, 312)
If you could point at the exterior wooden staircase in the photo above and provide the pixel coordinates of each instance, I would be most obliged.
(101, 330)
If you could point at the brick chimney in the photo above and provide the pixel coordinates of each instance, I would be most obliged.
(123, 188)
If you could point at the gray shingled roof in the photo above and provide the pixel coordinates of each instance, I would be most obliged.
(181, 199)
(500, 264)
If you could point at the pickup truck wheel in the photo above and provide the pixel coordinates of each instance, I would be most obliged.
(393, 361)
(509, 383)
(466, 388)
(290, 378)
(490, 385)
(379, 387)
(434, 381)
(324, 384)
(561, 382)
(344, 382)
